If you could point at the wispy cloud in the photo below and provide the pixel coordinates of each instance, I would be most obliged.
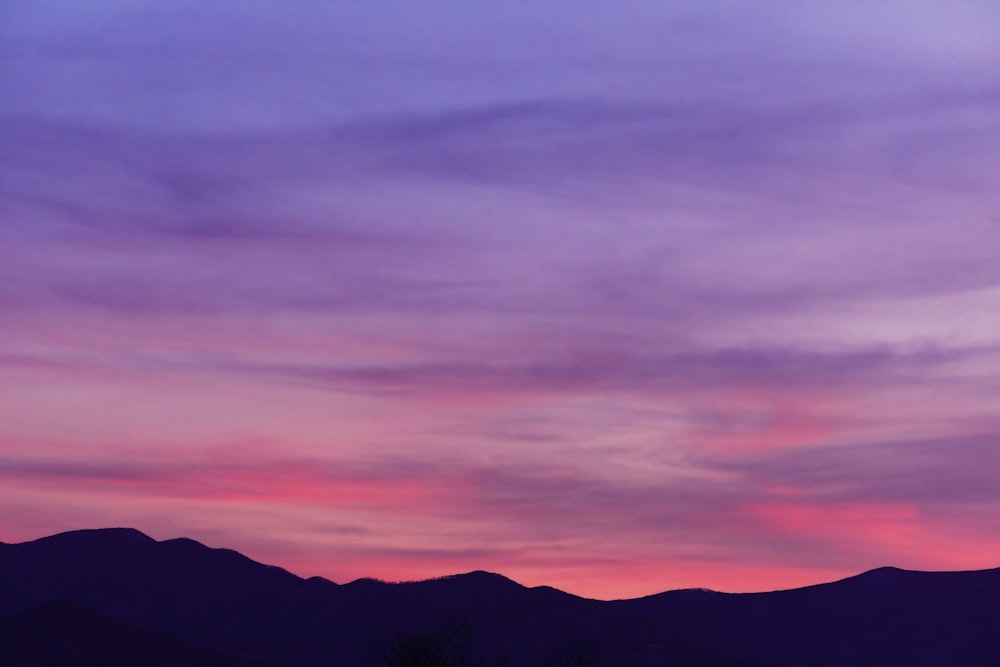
(702, 286)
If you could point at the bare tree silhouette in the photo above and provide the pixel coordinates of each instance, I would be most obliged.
(447, 646)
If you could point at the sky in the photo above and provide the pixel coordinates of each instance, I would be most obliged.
(617, 297)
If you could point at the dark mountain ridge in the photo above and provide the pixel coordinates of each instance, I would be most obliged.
(68, 633)
(220, 607)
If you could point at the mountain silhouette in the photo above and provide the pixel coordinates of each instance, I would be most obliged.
(68, 633)
(104, 596)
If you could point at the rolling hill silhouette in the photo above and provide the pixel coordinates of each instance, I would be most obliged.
(68, 633)
(105, 596)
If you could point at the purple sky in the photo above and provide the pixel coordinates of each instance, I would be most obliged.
(616, 297)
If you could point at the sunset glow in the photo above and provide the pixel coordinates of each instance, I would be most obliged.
(612, 297)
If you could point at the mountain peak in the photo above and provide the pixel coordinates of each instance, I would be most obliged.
(882, 571)
(132, 591)
(94, 535)
(483, 575)
(885, 573)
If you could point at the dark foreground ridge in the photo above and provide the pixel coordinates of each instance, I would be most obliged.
(118, 597)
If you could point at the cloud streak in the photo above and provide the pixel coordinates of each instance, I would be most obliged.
(704, 292)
